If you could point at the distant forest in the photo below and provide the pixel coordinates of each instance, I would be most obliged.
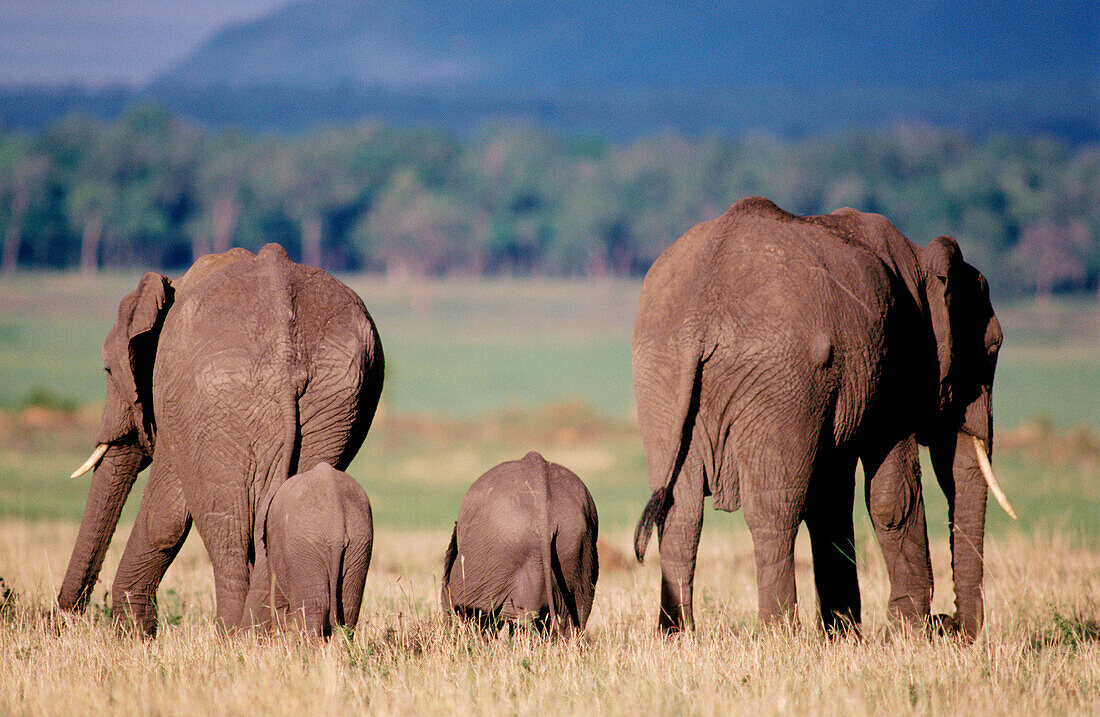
(150, 191)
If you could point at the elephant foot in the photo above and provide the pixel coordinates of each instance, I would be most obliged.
(842, 627)
(671, 630)
(945, 625)
(56, 619)
(134, 615)
(674, 624)
(676, 613)
(785, 622)
(127, 624)
(953, 626)
(910, 615)
(907, 627)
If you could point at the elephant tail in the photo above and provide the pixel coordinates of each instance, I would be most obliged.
(687, 402)
(445, 597)
(547, 538)
(654, 512)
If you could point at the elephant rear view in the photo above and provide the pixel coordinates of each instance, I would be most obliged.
(318, 534)
(771, 352)
(225, 382)
(524, 547)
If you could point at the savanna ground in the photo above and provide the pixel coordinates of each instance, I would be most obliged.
(480, 373)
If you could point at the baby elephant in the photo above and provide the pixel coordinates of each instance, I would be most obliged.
(524, 547)
(319, 535)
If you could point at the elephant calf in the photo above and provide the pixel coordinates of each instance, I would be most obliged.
(319, 533)
(524, 547)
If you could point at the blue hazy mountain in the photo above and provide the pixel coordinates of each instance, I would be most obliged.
(529, 45)
(637, 66)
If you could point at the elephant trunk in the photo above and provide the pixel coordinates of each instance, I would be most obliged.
(111, 484)
(959, 472)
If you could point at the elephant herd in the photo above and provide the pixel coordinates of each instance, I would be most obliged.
(770, 353)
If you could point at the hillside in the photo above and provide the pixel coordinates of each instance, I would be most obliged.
(627, 69)
(628, 66)
(529, 45)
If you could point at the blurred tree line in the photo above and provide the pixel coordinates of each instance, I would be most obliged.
(150, 191)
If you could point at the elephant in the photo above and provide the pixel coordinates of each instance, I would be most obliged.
(318, 534)
(225, 382)
(771, 352)
(524, 547)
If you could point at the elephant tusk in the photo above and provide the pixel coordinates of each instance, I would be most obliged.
(92, 462)
(987, 473)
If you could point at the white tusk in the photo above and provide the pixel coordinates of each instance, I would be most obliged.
(92, 462)
(987, 473)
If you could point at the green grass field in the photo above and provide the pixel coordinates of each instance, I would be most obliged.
(478, 373)
(464, 348)
(468, 355)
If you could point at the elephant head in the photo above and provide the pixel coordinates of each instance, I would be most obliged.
(127, 431)
(968, 339)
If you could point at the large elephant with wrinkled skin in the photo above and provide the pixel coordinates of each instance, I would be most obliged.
(318, 535)
(773, 351)
(524, 547)
(225, 382)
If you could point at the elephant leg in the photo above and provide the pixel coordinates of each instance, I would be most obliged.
(227, 537)
(159, 531)
(231, 580)
(777, 445)
(587, 575)
(351, 600)
(312, 617)
(260, 604)
(829, 521)
(352, 582)
(896, 507)
(678, 539)
(773, 517)
(309, 596)
(966, 498)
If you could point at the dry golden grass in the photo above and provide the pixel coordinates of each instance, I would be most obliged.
(1039, 654)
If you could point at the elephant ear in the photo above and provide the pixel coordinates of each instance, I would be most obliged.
(132, 346)
(937, 260)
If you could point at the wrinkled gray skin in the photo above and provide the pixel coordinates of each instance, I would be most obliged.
(225, 382)
(770, 353)
(318, 535)
(524, 547)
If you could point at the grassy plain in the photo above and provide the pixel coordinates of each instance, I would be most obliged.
(479, 373)
(462, 348)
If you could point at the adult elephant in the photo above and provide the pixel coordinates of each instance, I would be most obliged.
(246, 370)
(770, 353)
